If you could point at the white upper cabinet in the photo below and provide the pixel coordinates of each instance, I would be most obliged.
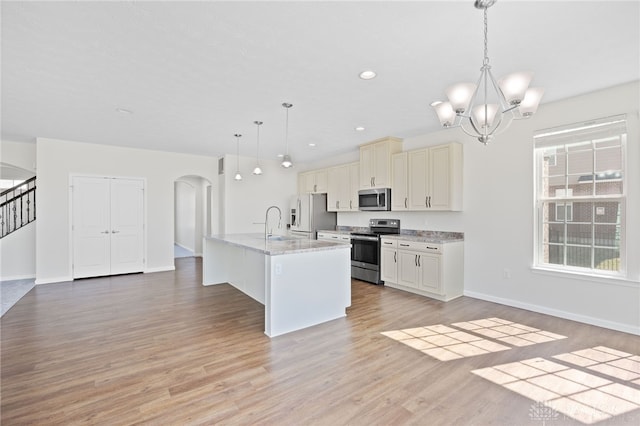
(313, 182)
(399, 184)
(342, 191)
(354, 182)
(434, 177)
(375, 162)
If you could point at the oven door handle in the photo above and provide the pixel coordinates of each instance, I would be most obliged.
(363, 238)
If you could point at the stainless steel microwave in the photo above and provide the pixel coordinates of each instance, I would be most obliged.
(378, 199)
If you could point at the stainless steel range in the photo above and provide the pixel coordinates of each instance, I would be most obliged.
(365, 249)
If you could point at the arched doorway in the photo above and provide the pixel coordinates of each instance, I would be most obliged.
(192, 214)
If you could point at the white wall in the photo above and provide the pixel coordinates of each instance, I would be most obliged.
(58, 159)
(20, 154)
(18, 254)
(185, 215)
(498, 217)
(191, 212)
(18, 250)
(246, 201)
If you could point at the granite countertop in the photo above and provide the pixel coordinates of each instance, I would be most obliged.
(431, 237)
(333, 231)
(288, 245)
(436, 237)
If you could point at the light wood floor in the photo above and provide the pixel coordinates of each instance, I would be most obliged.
(162, 349)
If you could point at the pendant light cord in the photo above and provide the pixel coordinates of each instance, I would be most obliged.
(286, 133)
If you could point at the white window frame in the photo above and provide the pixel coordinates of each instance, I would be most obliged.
(561, 137)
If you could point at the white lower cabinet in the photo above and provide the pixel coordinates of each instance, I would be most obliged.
(433, 270)
(388, 261)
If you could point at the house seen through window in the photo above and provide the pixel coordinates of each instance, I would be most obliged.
(580, 197)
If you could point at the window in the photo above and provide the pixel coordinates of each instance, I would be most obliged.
(580, 197)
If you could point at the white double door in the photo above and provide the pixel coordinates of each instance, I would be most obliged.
(108, 226)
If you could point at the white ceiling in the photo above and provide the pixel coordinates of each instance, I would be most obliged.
(195, 73)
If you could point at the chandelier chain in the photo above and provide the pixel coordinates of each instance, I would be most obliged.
(486, 43)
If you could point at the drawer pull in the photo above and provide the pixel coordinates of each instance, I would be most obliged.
(404, 245)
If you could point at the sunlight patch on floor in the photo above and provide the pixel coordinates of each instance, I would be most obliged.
(469, 338)
(571, 391)
(509, 332)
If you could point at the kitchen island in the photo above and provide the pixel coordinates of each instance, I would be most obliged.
(301, 282)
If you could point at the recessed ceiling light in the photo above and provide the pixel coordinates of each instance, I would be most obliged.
(359, 129)
(367, 75)
(124, 111)
(312, 145)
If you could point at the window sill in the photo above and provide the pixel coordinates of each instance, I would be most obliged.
(603, 279)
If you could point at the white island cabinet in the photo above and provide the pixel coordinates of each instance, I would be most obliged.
(301, 282)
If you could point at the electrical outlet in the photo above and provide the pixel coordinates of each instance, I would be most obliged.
(506, 274)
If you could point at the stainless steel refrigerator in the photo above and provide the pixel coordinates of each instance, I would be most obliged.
(308, 214)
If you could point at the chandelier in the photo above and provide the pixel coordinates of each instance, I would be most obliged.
(487, 107)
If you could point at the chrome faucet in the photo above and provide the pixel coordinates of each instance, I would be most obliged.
(266, 221)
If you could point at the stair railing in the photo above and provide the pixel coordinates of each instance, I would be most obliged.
(17, 207)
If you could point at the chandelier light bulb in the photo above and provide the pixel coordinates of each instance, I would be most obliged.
(514, 86)
(445, 112)
(529, 104)
(483, 115)
(460, 95)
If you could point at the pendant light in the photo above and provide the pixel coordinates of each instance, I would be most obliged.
(257, 170)
(286, 159)
(482, 109)
(238, 176)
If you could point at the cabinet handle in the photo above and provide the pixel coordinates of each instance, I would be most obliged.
(404, 245)
(426, 201)
(350, 204)
(429, 201)
(387, 242)
(374, 181)
(395, 257)
(416, 260)
(114, 232)
(337, 204)
(419, 260)
(405, 202)
(315, 188)
(104, 232)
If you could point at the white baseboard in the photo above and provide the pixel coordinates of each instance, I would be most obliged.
(18, 277)
(54, 280)
(627, 328)
(160, 269)
(184, 247)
